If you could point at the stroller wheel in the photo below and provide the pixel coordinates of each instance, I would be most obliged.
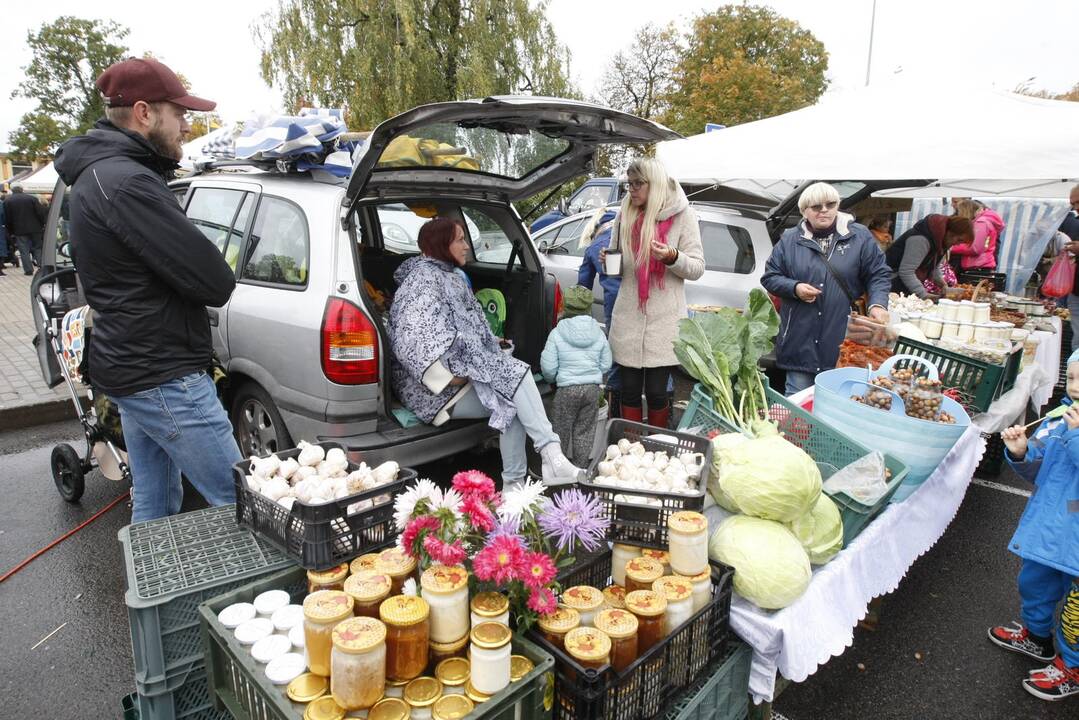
(67, 473)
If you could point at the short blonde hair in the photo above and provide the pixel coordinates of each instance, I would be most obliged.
(817, 194)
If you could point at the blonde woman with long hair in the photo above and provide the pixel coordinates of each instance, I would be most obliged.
(659, 238)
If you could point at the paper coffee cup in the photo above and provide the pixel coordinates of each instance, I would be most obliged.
(612, 263)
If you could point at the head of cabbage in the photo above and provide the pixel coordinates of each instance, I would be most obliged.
(767, 477)
(820, 530)
(771, 568)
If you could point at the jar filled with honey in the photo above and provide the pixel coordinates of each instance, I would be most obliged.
(679, 593)
(332, 579)
(399, 565)
(490, 607)
(589, 647)
(641, 572)
(322, 610)
(445, 588)
(358, 666)
(662, 556)
(620, 555)
(586, 600)
(367, 589)
(444, 651)
(649, 608)
(621, 627)
(407, 619)
(364, 563)
(555, 626)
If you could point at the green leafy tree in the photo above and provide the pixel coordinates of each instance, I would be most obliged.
(743, 63)
(68, 55)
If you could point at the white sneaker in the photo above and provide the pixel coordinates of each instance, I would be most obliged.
(556, 468)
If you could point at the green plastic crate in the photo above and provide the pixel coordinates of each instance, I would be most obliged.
(239, 684)
(722, 695)
(979, 380)
(819, 440)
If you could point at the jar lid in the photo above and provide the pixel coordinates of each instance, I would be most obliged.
(389, 709)
(328, 577)
(453, 671)
(324, 708)
(442, 579)
(663, 556)
(270, 647)
(699, 577)
(404, 610)
(236, 614)
(452, 707)
(296, 637)
(288, 617)
(644, 570)
(490, 635)
(252, 631)
(614, 596)
(583, 597)
(687, 521)
(616, 623)
(561, 620)
(519, 667)
(674, 588)
(271, 601)
(285, 669)
(326, 606)
(646, 603)
(368, 586)
(358, 635)
(363, 562)
(450, 647)
(588, 644)
(395, 562)
(490, 604)
(423, 691)
(475, 695)
(307, 687)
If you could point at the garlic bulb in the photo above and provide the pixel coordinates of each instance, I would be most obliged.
(613, 452)
(631, 461)
(310, 455)
(360, 480)
(276, 488)
(605, 468)
(660, 461)
(265, 467)
(288, 468)
(623, 446)
(336, 456)
(385, 473)
(637, 449)
(653, 477)
(305, 489)
(254, 483)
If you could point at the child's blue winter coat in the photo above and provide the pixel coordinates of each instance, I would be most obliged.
(576, 353)
(1048, 531)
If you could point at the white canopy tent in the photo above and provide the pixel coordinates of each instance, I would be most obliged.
(41, 181)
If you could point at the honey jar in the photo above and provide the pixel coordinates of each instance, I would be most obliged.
(358, 667)
(702, 589)
(445, 588)
(586, 600)
(399, 565)
(407, 619)
(621, 627)
(332, 579)
(614, 597)
(620, 555)
(641, 572)
(649, 608)
(444, 651)
(364, 563)
(688, 542)
(661, 556)
(490, 607)
(555, 626)
(322, 610)
(589, 647)
(367, 589)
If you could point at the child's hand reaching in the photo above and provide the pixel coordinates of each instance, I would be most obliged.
(1071, 417)
(1015, 439)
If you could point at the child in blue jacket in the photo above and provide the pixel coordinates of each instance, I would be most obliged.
(575, 358)
(1047, 540)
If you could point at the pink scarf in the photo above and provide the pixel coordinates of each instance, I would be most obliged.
(651, 272)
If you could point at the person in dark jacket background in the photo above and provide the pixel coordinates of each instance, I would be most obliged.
(24, 217)
(3, 236)
(815, 304)
(1070, 227)
(149, 274)
(916, 254)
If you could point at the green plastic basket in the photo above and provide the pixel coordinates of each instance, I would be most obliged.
(982, 381)
(722, 694)
(819, 440)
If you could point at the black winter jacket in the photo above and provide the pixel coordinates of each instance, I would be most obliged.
(148, 273)
(24, 214)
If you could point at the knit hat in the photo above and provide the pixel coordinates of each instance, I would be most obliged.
(577, 300)
(1074, 357)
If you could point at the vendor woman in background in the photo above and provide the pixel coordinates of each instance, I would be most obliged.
(818, 269)
(916, 254)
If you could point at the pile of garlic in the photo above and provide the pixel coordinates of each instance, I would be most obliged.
(630, 465)
(316, 477)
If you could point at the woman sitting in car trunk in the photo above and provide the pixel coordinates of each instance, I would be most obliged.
(448, 363)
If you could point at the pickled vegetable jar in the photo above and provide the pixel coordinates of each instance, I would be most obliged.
(679, 594)
(421, 694)
(555, 626)
(641, 572)
(445, 588)
(367, 589)
(332, 579)
(591, 648)
(620, 555)
(453, 673)
(407, 619)
(490, 607)
(358, 673)
(490, 651)
(649, 608)
(399, 565)
(322, 610)
(688, 542)
(585, 599)
(621, 627)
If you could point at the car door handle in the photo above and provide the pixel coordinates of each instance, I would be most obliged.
(212, 314)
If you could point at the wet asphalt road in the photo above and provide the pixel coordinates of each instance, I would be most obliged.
(940, 611)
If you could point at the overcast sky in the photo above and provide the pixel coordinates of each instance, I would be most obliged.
(991, 42)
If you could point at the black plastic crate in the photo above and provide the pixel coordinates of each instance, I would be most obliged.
(998, 281)
(319, 536)
(637, 523)
(1065, 352)
(649, 686)
(993, 459)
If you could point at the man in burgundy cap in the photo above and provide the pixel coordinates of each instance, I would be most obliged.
(149, 273)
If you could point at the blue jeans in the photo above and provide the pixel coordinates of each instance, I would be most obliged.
(1073, 305)
(1041, 588)
(531, 421)
(177, 427)
(798, 381)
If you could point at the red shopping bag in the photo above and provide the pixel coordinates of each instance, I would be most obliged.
(1061, 276)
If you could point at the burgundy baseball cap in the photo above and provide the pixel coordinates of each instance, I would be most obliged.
(125, 83)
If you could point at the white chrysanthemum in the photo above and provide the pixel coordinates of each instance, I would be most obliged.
(523, 498)
(448, 499)
(409, 588)
(405, 503)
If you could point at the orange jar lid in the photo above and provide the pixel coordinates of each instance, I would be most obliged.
(561, 620)
(687, 522)
(358, 635)
(330, 576)
(395, 562)
(368, 586)
(588, 644)
(674, 588)
(363, 562)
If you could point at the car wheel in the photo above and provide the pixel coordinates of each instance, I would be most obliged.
(257, 423)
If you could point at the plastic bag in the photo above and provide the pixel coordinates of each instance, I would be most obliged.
(1061, 276)
(862, 480)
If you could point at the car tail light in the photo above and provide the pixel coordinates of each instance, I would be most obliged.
(557, 303)
(349, 344)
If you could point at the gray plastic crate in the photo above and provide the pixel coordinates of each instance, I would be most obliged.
(172, 565)
(722, 695)
(190, 701)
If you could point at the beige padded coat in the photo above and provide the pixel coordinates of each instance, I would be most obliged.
(641, 339)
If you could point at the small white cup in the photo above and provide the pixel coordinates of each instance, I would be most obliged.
(612, 262)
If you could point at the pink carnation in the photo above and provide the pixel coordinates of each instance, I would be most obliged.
(428, 523)
(443, 552)
(539, 570)
(474, 482)
(542, 601)
(478, 514)
(501, 561)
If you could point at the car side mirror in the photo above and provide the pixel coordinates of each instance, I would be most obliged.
(542, 247)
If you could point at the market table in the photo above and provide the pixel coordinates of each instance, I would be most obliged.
(795, 641)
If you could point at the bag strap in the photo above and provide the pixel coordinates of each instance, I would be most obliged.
(839, 279)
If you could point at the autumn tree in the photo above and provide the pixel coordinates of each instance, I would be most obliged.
(743, 63)
(637, 79)
(1026, 88)
(68, 55)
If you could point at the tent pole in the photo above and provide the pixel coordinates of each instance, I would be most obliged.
(872, 26)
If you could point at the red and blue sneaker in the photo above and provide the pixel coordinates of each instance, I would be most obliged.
(1017, 638)
(1055, 682)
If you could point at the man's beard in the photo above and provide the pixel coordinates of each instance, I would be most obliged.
(164, 145)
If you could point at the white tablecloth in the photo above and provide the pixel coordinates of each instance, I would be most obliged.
(795, 641)
(1047, 357)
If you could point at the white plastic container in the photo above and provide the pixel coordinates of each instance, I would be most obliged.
(270, 648)
(237, 614)
(252, 631)
(965, 312)
(984, 331)
(446, 590)
(965, 332)
(981, 312)
(931, 326)
(948, 329)
(949, 309)
(612, 265)
(286, 618)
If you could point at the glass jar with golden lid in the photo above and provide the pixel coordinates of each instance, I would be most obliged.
(649, 608)
(363, 563)
(662, 556)
(389, 709)
(331, 579)
(702, 589)
(398, 564)
(687, 541)
(591, 648)
(407, 619)
(452, 707)
(679, 593)
(555, 625)
(324, 708)
(519, 667)
(358, 667)
(490, 607)
(490, 657)
(453, 673)
(367, 589)
(614, 597)
(445, 588)
(586, 600)
(421, 694)
(322, 610)
(444, 651)
(621, 627)
(641, 572)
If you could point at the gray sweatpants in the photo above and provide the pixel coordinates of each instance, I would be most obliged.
(573, 417)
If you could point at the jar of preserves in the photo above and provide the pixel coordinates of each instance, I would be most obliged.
(399, 565)
(358, 667)
(421, 694)
(702, 589)
(589, 647)
(322, 610)
(555, 626)
(453, 673)
(620, 555)
(364, 563)
(641, 572)
(679, 593)
(621, 627)
(367, 589)
(649, 608)
(389, 709)
(662, 556)
(490, 607)
(490, 653)
(688, 541)
(614, 597)
(444, 651)
(586, 600)
(408, 628)
(452, 707)
(520, 666)
(445, 588)
(332, 579)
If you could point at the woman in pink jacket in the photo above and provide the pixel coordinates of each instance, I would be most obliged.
(988, 225)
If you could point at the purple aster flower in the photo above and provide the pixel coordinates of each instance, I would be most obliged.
(505, 526)
(573, 517)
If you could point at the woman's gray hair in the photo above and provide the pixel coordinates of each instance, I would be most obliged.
(817, 194)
